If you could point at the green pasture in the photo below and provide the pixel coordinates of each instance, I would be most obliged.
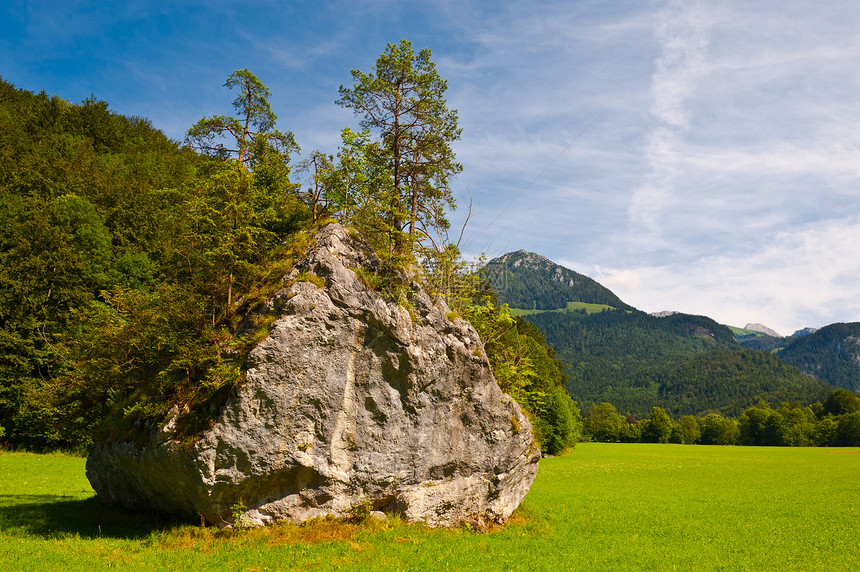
(571, 307)
(602, 507)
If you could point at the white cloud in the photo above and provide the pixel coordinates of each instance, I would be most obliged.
(618, 280)
(682, 32)
(802, 278)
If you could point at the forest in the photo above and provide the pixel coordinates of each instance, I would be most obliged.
(685, 364)
(128, 259)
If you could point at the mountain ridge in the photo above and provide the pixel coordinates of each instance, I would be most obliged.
(685, 363)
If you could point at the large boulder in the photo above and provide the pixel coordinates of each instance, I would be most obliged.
(351, 400)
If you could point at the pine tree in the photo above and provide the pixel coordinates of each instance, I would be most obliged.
(403, 103)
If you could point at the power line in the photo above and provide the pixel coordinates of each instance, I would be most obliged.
(527, 187)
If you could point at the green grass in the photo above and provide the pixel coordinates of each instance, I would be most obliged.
(571, 307)
(603, 507)
(742, 334)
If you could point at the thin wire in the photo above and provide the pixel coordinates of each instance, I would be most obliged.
(527, 187)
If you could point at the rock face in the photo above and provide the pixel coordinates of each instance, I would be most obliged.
(762, 329)
(804, 332)
(349, 400)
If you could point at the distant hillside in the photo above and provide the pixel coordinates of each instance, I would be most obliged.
(831, 354)
(755, 340)
(682, 363)
(613, 352)
(532, 282)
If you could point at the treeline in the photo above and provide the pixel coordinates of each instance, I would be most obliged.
(85, 203)
(135, 270)
(122, 254)
(836, 422)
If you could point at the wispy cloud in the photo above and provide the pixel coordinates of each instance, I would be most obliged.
(682, 32)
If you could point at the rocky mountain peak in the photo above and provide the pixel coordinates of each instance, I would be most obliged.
(804, 332)
(762, 329)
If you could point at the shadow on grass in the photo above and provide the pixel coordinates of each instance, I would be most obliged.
(57, 516)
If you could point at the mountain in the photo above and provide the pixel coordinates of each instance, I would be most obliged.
(664, 313)
(530, 281)
(831, 354)
(756, 340)
(804, 332)
(615, 353)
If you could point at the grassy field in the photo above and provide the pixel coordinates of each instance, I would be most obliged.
(603, 507)
(571, 307)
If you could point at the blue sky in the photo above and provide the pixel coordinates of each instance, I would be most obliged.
(693, 156)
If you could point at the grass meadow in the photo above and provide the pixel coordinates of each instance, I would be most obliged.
(571, 307)
(602, 507)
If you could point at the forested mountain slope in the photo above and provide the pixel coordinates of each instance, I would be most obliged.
(530, 281)
(683, 363)
(831, 354)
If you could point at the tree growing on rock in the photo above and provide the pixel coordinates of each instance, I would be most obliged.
(402, 101)
(250, 134)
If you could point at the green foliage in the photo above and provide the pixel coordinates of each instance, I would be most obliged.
(604, 423)
(841, 401)
(789, 425)
(688, 430)
(251, 134)
(717, 430)
(687, 365)
(317, 281)
(360, 511)
(659, 427)
(238, 513)
(848, 431)
(560, 426)
(413, 161)
(123, 258)
(762, 342)
(81, 211)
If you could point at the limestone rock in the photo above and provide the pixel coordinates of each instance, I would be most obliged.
(762, 329)
(351, 399)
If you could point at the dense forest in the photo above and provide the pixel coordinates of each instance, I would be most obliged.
(129, 261)
(831, 354)
(88, 205)
(684, 364)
